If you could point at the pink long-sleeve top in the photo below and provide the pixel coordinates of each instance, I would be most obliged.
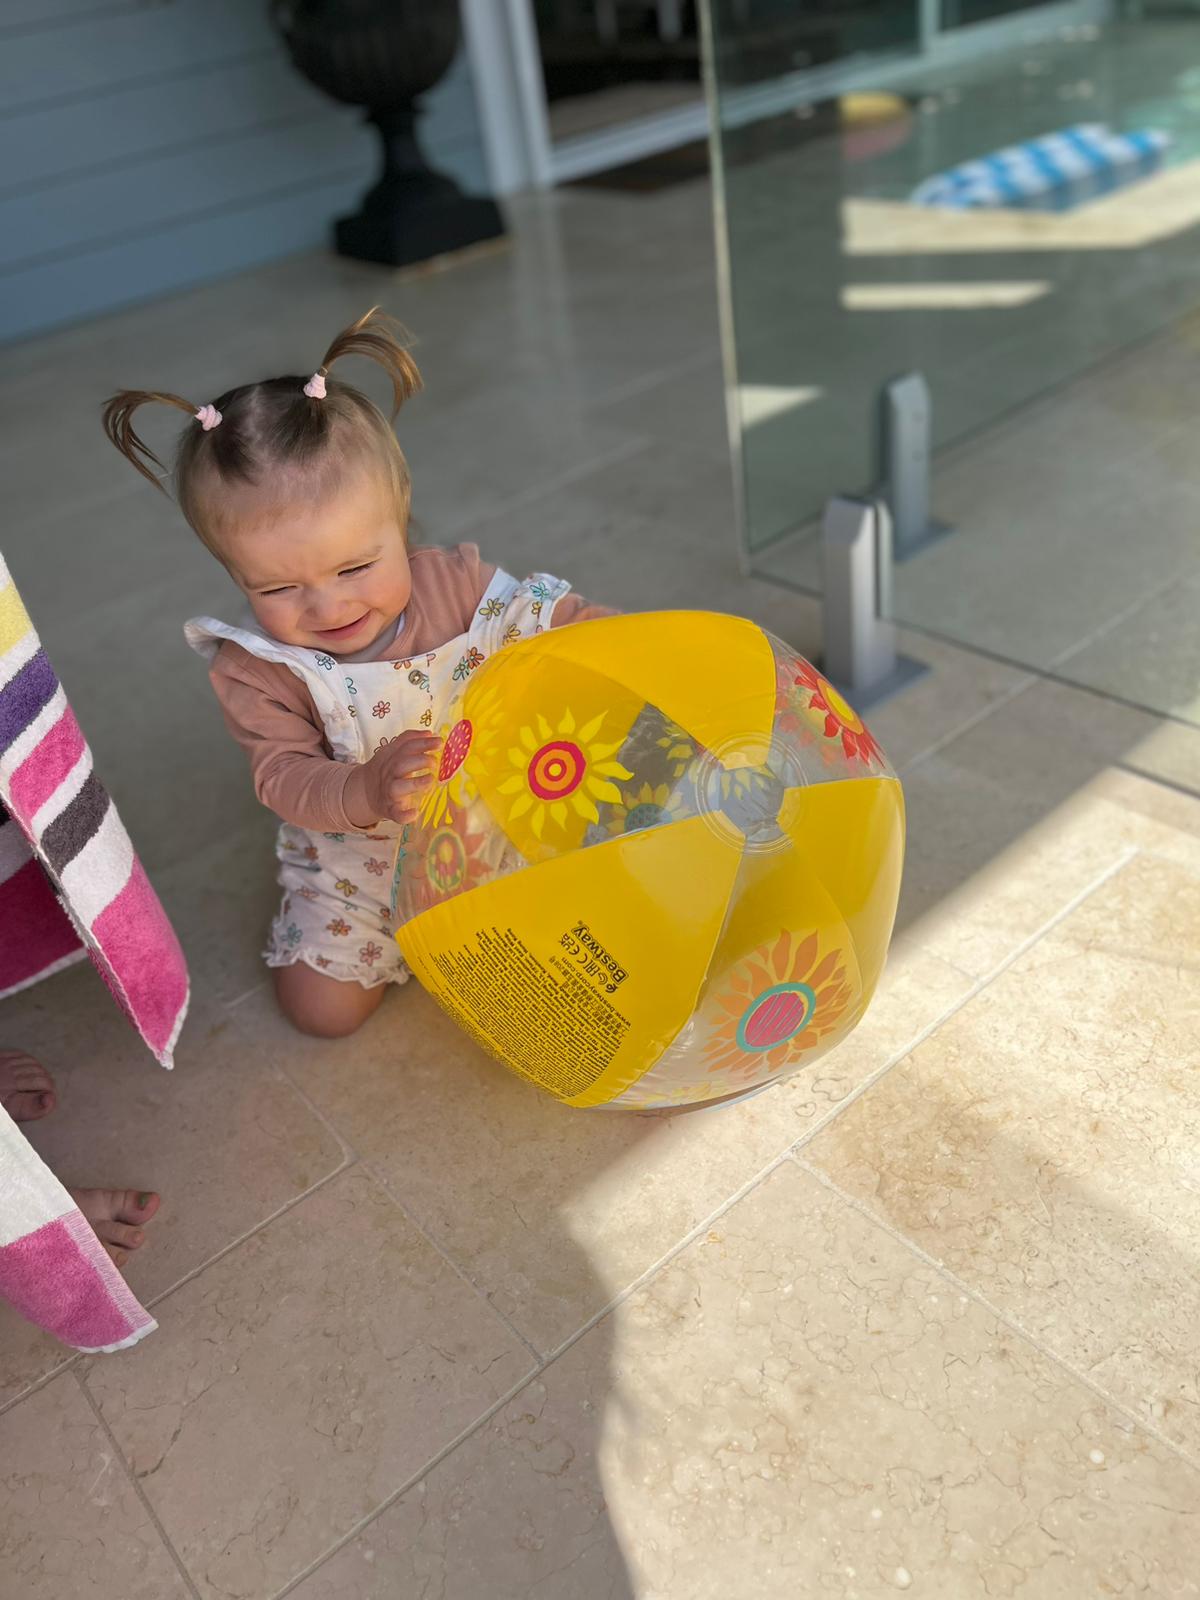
(270, 714)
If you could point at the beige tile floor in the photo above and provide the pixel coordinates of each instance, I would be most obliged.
(923, 1319)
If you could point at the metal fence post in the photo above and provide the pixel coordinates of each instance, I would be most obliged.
(907, 450)
(860, 657)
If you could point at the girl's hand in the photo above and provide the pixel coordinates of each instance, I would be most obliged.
(392, 782)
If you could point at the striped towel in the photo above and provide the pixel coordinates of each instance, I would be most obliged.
(36, 935)
(48, 788)
(53, 1269)
(69, 882)
(1052, 173)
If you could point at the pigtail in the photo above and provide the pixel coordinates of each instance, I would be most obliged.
(378, 338)
(118, 425)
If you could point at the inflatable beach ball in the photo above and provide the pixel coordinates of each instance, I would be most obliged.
(659, 863)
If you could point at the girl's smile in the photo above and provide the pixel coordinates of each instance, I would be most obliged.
(347, 631)
(331, 574)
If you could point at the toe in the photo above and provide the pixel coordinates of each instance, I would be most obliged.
(25, 1069)
(28, 1105)
(118, 1234)
(136, 1205)
(117, 1215)
(26, 1088)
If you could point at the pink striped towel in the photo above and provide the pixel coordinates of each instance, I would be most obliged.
(69, 882)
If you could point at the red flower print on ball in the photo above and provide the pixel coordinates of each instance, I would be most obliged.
(839, 721)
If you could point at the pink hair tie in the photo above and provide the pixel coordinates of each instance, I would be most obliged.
(315, 387)
(209, 418)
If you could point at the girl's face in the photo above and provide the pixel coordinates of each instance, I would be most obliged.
(330, 574)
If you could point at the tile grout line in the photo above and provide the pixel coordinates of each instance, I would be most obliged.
(413, 1220)
(978, 1298)
(232, 1005)
(135, 1485)
(40, 1383)
(1170, 784)
(973, 993)
(1013, 692)
(545, 1363)
(668, 1256)
(349, 1160)
(331, 1127)
(459, 1271)
(1063, 658)
(409, 1483)
(1045, 674)
(633, 387)
(346, 1165)
(408, 1215)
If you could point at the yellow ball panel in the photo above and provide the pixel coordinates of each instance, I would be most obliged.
(578, 972)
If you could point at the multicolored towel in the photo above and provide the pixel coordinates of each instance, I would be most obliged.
(36, 935)
(53, 1269)
(69, 882)
(49, 789)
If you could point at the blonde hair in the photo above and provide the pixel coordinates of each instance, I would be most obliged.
(274, 427)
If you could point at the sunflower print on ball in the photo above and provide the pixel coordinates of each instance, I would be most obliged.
(646, 806)
(451, 863)
(451, 788)
(817, 699)
(561, 771)
(779, 1001)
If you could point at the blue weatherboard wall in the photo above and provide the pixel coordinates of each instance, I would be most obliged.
(151, 144)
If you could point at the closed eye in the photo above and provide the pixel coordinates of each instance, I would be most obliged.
(363, 566)
(284, 589)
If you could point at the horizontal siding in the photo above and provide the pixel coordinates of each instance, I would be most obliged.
(155, 195)
(152, 168)
(27, 16)
(96, 55)
(41, 145)
(205, 247)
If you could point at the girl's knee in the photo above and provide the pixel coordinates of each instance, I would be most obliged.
(324, 1008)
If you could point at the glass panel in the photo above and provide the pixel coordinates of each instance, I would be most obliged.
(607, 62)
(961, 13)
(1012, 213)
(786, 171)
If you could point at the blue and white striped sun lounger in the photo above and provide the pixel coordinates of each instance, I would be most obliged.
(1051, 173)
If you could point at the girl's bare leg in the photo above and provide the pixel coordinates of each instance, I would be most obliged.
(325, 1007)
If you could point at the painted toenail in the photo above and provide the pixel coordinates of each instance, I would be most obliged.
(143, 1201)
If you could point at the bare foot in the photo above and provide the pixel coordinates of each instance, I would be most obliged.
(325, 1007)
(118, 1217)
(26, 1088)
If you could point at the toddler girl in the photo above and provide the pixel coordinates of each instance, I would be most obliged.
(352, 649)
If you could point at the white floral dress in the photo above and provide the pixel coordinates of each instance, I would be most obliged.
(336, 911)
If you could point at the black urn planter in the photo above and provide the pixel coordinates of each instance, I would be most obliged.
(383, 55)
